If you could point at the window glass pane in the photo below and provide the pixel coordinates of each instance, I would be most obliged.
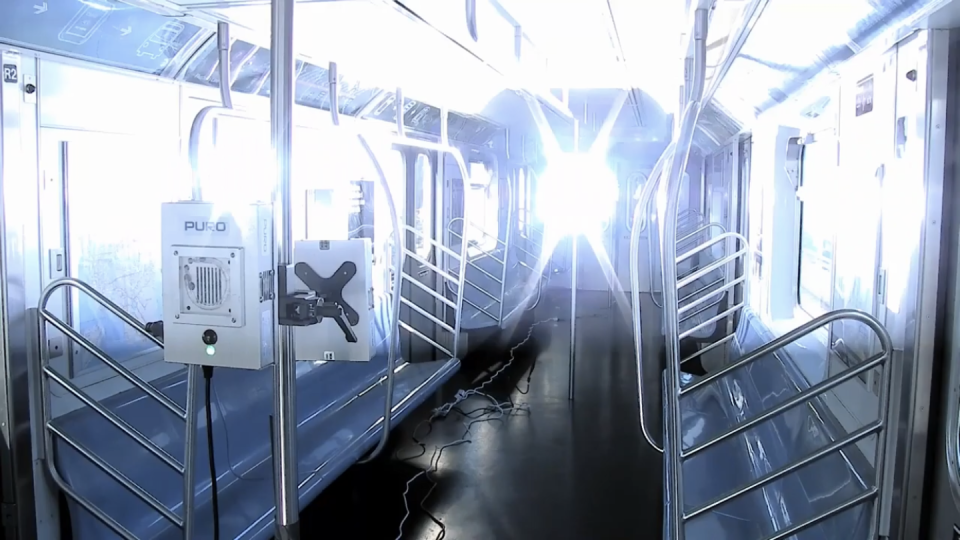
(757, 288)
(817, 236)
(241, 169)
(423, 204)
(394, 170)
(484, 211)
(118, 252)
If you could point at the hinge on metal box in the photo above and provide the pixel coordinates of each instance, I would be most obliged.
(267, 286)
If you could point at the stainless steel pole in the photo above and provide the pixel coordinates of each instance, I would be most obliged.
(285, 372)
(574, 262)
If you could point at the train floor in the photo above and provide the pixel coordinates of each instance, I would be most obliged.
(530, 464)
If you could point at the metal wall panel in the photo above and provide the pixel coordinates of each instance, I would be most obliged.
(926, 113)
(19, 289)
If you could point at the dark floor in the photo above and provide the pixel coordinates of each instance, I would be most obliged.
(554, 470)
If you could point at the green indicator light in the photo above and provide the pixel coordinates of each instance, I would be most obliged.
(211, 350)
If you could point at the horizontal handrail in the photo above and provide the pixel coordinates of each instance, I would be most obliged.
(712, 242)
(707, 296)
(474, 244)
(684, 318)
(420, 335)
(793, 335)
(704, 228)
(478, 229)
(119, 368)
(531, 254)
(482, 290)
(105, 302)
(118, 476)
(708, 348)
(713, 266)
(51, 430)
(773, 476)
(703, 290)
(480, 309)
(94, 510)
(117, 422)
(711, 320)
(798, 399)
(484, 272)
(438, 296)
(423, 261)
(433, 242)
(843, 507)
(426, 314)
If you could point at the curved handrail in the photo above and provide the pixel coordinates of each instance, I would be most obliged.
(398, 261)
(226, 104)
(803, 396)
(707, 227)
(886, 343)
(639, 223)
(187, 414)
(678, 164)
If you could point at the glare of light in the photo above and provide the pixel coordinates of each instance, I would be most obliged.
(577, 194)
(211, 350)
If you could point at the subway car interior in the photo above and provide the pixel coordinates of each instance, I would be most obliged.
(508, 269)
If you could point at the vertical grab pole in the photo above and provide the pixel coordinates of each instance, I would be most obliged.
(508, 229)
(285, 373)
(671, 304)
(574, 262)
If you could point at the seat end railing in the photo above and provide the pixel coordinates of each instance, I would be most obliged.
(52, 429)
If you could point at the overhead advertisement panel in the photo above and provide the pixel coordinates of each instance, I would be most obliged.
(103, 31)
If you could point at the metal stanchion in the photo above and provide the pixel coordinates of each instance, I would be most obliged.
(285, 372)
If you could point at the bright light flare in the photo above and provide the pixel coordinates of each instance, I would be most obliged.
(577, 194)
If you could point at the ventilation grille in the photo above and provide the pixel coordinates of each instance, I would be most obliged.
(206, 283)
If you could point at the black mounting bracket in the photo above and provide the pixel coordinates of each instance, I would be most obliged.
(331, 288)
(324, 301)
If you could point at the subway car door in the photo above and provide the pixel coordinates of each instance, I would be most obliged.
(419, 216)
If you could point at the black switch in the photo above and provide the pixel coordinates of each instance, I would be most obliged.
(209, 337)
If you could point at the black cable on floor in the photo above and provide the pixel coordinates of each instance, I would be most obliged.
(214, 494)
(533, 366)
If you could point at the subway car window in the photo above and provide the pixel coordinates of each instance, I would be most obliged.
(818, 226)
(240, 167)
(484, 213)
(117, 252)
(393, 166)
(423, 204)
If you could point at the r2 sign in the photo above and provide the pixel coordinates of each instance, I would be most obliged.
(10, 73)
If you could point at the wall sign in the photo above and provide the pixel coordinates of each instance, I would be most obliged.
(10, 73)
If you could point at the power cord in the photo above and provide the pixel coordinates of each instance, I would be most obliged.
(499, 408)
(214, 493)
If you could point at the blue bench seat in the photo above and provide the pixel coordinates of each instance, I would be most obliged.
(767, 447)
